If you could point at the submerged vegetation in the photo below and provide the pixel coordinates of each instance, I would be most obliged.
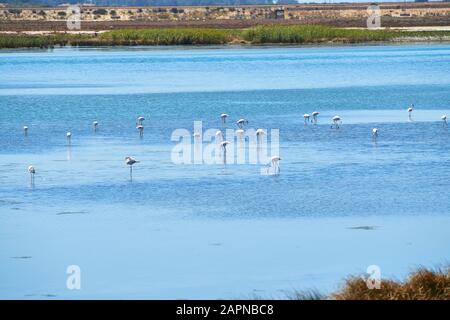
(271, 34)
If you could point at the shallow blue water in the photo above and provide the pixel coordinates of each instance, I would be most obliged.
(215, 231)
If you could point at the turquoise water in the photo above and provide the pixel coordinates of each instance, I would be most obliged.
(215, 231)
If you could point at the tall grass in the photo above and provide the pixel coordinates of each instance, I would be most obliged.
(45, 41)
(313, 34)
(270, 34)
(7, 41)
(182, 36)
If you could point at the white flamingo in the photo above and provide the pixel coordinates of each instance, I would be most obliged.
(25, 130)
(130, 161)
(197, 139)
(32, 172)
(219, 140)
(374, 133)
(95, 125)
(224, 148)
(410, 110)
(140, 127)
(306, 116)
(259, 134)
(259, 143)
(69, 137)
(140, 120)
(314, 116)
(336, 121)
(240, 134)
(274, 165)
(224, 117)
(241, 123)
(444, 119)
(219, 136)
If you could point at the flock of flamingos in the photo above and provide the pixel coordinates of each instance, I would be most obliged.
(274, 165)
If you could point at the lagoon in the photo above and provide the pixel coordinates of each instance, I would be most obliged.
(342, 202)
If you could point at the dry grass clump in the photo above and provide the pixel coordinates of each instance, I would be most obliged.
(422, 284)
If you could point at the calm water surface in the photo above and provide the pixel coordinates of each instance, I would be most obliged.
(215, 231)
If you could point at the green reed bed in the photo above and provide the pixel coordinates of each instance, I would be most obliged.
(8, 41)
(314, 34)
(176, 36)
(45, 41)
(270, 34)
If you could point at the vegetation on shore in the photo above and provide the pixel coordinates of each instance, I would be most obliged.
(422, 284)
(318, 34)
(271, 34)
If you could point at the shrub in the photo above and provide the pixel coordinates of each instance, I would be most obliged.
(100, 12)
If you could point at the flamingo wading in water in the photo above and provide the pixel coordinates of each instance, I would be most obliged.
(444, 119)
(224, 117)
(259, 134)
(219, 136)
(140, 120)
(410, 110)
(95, 125)
(336, 122)
(274, 165)
(314, 116)
(130, 161)
(374, 133)
(306, 116)
(25, 130)
(140, 127)
(32, 172)
(241, 123)
(69, 137)
(224, 148)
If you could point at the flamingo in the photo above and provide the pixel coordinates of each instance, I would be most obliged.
(69, 136)
(219, 140)
(259, 142)
(260, 133)
(444, 119)
(240, 133)
(224, 147)
(275, 165)
(95, 125)
(314, 116)
(140, 127)
(130, 161)
(306, 117)
(224, 117)
(25, 130)
(32, 171)
(374, 133)
(241, 123)
(336, 121)
(140, 120)
(410, 110)
(219, 136)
